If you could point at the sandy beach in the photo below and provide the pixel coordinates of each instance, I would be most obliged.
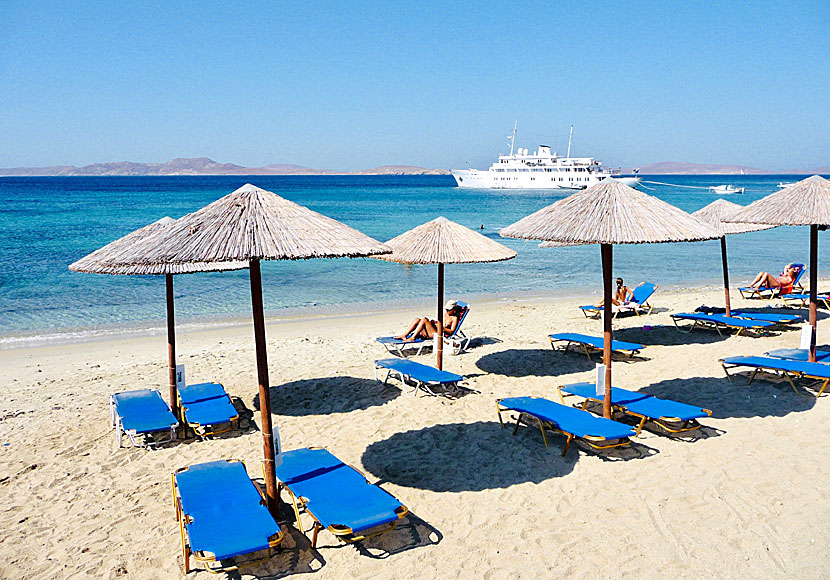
(745, 497)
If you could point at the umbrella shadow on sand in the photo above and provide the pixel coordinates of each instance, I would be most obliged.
(735, 399)
(540, 362)
(460, 457)
(661, 335)
(326, 395)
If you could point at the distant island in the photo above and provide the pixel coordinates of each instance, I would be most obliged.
(206, 166)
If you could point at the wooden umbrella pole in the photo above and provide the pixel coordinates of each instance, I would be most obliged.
(607, 263)
(725, 275)
(171, 346)
(439, 347)
(264, 393)
(813, 288)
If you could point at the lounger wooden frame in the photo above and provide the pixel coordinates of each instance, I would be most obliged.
(201, 431)
(342, 533)
(591, 440)
(450, 388)
(588, 349)
(789, 375)
(209, 561)
(662, 422)
(804, 300)
(759, 331)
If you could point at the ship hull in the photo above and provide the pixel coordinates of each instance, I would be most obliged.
(475, 179)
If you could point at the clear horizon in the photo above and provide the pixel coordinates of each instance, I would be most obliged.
(349, 88)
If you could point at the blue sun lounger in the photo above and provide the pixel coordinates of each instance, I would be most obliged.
(773, 317)
(719, 321)
(458, 341)
(336, 496)
(222, 516)
(591, 344)
(802, 299)
(597, 432)
(801, 354)
(141, 412)
(417, 375)
(789, 369)
(207, 409)
(669, 415)
(637, 303)
(768, 292)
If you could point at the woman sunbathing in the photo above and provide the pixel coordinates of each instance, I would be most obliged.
(425, 328)
(622, 295)
(768, 280)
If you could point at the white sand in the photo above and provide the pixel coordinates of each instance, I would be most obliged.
(747, 498)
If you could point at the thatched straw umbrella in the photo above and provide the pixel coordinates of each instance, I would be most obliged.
(807, 203)
(610, 213)
(252, 225)
(111, 258)
(714, 214)
(442, 241)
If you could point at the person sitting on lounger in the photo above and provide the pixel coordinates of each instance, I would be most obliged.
(621, 296)
(425, 328)
(768, 280)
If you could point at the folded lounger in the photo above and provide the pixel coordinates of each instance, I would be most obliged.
(596, 431)
(336, 496)
(207, 409)
(222, 516)
(458, 341)
(593, 343)
(789, 369)
(718, 321)
(801, 354)
(672, 416)
(802, 299)
(769, 293)
(637, 303)
(417, 375)
(141, 412)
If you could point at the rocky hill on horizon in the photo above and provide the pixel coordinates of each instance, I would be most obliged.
(204, 166)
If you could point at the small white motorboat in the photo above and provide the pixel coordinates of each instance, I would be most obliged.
(724, 189)
(783, 185)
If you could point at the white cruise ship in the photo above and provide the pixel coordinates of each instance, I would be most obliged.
(539, 170)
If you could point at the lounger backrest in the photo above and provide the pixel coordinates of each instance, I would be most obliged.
(801, 269)
(465, 309)
(643, 292)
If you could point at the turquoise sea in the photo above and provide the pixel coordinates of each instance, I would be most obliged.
(48, 222)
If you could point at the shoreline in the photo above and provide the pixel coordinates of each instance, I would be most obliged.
(156, 327)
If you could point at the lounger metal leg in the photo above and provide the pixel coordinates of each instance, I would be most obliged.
(640, 426)
(498, 410)
(317, 528)
(544, 437)
(518, 420)
(792, 384)
(752, 376)
(728, 376)
(567, 445)
(824, 386)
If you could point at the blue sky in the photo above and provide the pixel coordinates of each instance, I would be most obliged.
(356, 85)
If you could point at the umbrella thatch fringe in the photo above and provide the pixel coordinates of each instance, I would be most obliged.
(804, 204)
(720, 209)
(610, 213)
(442, 241)
(250, 223)
(115, 257)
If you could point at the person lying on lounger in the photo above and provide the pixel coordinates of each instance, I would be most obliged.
(768, 280)
(621, 296)
(425, 328)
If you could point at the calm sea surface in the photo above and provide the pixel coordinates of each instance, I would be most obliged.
(48, 222)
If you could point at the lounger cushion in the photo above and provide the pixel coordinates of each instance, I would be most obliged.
(335, 493)
(724, 320)
(768, 316)
(800, 354)
(419, 372)
(229, 515)
(813, 369)
(640, 403)
(596, 341)
(211, 411)
(143, 411)
(393, 340)
(575, 421)
(201, 392)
